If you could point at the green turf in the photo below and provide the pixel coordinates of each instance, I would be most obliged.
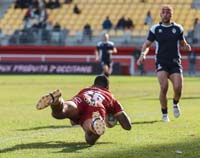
(27, 133)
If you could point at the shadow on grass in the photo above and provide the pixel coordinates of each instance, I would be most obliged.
(188, 98)
(77, 126)
(146, 122)
(182, 98)
(66, 147)
(184, 149)
(48, 127)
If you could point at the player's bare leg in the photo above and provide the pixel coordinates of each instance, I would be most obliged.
(91, 138)
(69, 110)
(60, 109)
(65, 109)
(106, 70)
(163, 81)
(94, 128)
(177, 82)
(110, 69)
(124, 120)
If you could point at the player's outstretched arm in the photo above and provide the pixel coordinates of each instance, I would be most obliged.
(144, 51)
(124, 120)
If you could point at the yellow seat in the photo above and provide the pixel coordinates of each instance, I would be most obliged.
(112, 32)
(95, 11)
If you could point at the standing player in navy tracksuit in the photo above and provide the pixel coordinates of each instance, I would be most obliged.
(104, 50)
(168, 36)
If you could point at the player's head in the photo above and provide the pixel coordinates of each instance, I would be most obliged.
(106, 37)
(101, 81)
(166, 13)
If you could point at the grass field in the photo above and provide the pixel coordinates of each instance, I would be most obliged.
(27, 133)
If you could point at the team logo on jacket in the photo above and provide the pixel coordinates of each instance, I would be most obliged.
(174, 30)
(160, 30)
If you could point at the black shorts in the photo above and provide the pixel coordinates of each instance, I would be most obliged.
(170, 67)
(108, 63)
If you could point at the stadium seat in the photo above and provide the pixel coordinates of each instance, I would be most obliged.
(94, 12)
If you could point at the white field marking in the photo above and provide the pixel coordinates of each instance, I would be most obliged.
(53, 131)
(144, 114)
(36, 134)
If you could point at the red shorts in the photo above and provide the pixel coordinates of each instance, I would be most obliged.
(86, 110)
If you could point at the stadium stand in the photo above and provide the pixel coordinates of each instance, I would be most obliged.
(94, 12)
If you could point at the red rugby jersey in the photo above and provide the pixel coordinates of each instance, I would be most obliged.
(93, 99)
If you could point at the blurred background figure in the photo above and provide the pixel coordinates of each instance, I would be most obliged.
(87, 31)
(76, 9)
(103, 53)
(148, 19)
(196, 31)
(107, 24)
(129, 24)
(192, 63)
(68, 1)
(121, 23)
(136, 55)
(1, 36)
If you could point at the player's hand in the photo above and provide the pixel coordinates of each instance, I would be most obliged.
(97, 59)
(110, 51)
(186, 47)
(141, 60)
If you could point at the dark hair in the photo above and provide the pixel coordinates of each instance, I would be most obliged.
(101, 81)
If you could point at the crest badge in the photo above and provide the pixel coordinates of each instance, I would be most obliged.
(174, 30)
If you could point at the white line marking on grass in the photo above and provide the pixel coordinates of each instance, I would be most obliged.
(36, 134)
(53, 131)
(144, 114)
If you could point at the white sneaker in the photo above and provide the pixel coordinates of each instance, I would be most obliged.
(48, 99)
(176, 109)
(165, 118)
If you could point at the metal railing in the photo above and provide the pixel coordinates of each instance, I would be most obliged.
(63, 37)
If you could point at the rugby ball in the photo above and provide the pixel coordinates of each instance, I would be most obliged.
(111, 121)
